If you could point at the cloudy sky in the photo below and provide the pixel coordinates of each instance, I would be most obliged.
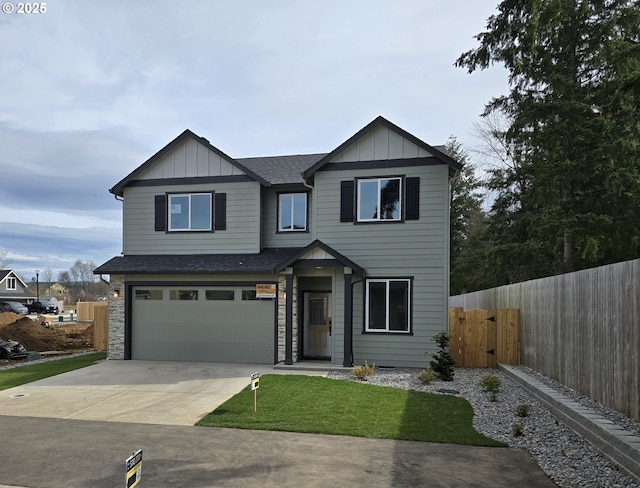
(91, 89)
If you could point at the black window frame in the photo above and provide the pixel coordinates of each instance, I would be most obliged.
(387, 331)
(359, 180)
(279, 230)
(409, 200)
(217, 215)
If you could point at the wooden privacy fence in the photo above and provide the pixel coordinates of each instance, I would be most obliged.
(482, 339)
(85, 310)
(96, 312)
(100, 328)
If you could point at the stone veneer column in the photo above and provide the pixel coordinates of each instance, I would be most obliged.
(116, 318)
(282, 318)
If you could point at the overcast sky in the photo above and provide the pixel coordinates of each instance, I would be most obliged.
(91, 89)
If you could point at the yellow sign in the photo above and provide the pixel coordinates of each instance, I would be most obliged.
(255, 381)
(255, 384)
(133, 469)
(265, 290)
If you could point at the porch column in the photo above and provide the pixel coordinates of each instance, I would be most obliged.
(348, 319)
(288, 339)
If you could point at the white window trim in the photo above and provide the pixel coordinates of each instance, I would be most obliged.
(386, 330)
(172, 195)
(11, 280)
(292, 194)
(378, 219)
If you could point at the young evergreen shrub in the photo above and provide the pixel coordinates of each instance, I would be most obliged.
(443, 362)
(522, 410)
(363, 372)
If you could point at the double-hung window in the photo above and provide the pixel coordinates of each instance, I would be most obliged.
(388, 305)
(190, 212)
(292, 212)
(379, 199)
(11, 283)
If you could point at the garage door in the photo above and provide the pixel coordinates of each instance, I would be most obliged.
(196, 323)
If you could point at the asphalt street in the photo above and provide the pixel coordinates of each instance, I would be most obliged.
(54, 453)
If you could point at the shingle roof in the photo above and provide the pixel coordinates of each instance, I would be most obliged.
(265, 262)
(279, 170)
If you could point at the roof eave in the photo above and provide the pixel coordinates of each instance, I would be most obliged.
(118, 188)
(378, 121)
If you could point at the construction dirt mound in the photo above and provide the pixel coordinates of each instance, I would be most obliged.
(36, 337)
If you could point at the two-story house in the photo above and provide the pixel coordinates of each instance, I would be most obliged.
(341, 256)
(12, 288)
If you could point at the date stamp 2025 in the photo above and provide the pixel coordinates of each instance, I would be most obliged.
(24, 8)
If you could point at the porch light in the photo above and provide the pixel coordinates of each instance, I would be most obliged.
(116, 293)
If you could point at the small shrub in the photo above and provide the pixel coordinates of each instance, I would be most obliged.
(443, 362)
(427, 376)
(522, 410)
(517, 429)
(363, 372)
(491, 384)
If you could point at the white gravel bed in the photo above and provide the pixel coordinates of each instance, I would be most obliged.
(568, 459)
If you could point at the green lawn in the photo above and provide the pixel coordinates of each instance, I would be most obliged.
(33, 372)
(325, 406)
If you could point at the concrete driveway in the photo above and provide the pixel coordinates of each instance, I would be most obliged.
(141, 392)
(117, 401)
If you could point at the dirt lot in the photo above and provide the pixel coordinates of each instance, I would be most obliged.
(65, 337)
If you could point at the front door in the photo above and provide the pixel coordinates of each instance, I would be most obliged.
(317, 330)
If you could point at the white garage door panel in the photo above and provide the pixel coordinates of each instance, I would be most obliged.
(240, 331)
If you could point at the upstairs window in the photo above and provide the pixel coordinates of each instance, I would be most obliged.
(388, 305)
(11, 283)
(379, 199)
(190, 212)
(292, 212)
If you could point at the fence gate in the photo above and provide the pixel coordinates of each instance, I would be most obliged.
(482, 339)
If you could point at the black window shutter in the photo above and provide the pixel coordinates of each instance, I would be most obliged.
(220, 211)
(161, 213)
(412, 189)
(346, 200)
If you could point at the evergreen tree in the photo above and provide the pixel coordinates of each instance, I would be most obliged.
(574, 75)
(467, 225)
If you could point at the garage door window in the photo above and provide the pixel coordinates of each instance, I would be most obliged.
(248, 294)
(148, 294)
(183, 294)
(219, 295)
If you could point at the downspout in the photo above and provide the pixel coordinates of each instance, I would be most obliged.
(314, 232)
(348, 362)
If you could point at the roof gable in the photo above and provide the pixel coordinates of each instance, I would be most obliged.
(381, 140)
(5, 273)
(326, 252)
(187, 156)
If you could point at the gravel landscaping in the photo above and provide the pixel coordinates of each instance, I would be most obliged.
(561, 453)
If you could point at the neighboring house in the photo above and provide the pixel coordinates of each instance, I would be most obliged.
(341, 256)
(13, 289)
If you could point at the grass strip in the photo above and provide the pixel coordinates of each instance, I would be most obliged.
(33, 372)
(313, 404)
